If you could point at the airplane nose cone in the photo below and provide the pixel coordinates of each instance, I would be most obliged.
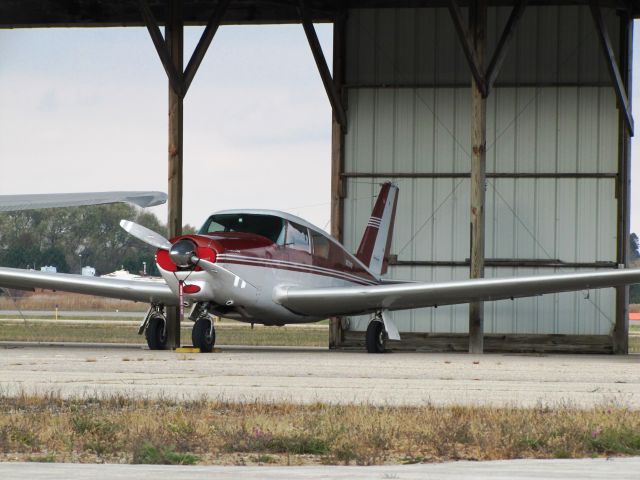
(182, 251)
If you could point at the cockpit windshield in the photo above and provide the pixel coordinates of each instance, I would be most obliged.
(266, 225)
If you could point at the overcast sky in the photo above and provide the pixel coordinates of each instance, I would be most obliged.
(86, 110)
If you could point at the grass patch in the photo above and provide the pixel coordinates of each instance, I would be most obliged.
(119, 429)
(258, 440)
(225, 334)
(47, 300)
(148, 453)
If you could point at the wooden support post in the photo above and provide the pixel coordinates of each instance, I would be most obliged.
(337, 160)
(478, 28)
(621, 327)
(174, 37)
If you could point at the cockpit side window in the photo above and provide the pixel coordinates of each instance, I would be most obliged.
(297, 237)
(320, 245)
(268, 226)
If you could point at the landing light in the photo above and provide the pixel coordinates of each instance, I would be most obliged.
(191, 289)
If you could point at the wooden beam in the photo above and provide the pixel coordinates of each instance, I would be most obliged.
(503, 45)
(623, 188)
(203, 44)
(337, 161)
(475, 65)
(321, 63)
(616, 78)
(174, 75)
(478, 28)
(174, 33)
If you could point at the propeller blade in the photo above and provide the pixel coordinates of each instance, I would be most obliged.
(146, 235)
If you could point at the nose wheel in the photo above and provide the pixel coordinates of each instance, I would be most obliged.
(203, 334)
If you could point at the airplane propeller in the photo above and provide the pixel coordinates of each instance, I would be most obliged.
(182, 253)
(147, 236)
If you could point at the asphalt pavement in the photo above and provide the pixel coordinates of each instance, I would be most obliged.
(584, 469)
(307, 375)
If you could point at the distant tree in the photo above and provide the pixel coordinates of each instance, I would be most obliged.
(635, 247)
(70, 237)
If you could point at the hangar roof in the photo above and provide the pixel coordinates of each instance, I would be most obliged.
(103, 13)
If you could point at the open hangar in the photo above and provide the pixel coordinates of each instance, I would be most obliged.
(506, 125)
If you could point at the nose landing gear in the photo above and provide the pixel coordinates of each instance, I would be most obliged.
(203, 334)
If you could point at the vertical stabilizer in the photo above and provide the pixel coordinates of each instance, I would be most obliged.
(376, 241)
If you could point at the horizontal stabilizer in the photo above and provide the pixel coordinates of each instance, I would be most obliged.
(12, 203)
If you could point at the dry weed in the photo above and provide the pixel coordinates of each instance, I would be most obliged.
(120, 429)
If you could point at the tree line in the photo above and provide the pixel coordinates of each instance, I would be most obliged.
(69, 238)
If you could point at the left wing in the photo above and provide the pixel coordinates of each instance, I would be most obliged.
(137, 290)
(12, 203)
(365, 299)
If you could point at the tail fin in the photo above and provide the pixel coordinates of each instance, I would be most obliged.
(376, 241)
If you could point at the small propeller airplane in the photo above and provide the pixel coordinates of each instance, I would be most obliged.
(273, 268)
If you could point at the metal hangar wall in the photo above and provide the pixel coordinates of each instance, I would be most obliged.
(557, 160)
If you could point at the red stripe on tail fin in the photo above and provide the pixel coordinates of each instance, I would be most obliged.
(376, 241)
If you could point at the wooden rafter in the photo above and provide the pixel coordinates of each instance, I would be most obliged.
(321, 63)
(181, 81)
(612, 64)
(204, 42)
(503, 44)
(175, 76)
(486, 78)
(477, 70)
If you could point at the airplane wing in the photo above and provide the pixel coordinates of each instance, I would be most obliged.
(11, 203)
(137, 290)
(356, 300)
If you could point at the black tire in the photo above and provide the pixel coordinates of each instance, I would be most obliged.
(156, 334)
(203, 335)
(376, 337)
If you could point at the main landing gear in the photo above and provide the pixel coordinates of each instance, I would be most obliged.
(154, 327)
(376, 336)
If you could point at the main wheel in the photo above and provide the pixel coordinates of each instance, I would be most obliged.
(203, 335)
(376, 337)
(156, 334)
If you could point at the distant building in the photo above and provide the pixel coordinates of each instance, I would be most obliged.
(49, 269)
(88, 271)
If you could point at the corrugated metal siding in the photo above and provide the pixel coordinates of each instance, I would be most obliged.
(530, 129)
(420, 47)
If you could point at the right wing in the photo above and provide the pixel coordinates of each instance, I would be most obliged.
(356, 300)
(137, 290)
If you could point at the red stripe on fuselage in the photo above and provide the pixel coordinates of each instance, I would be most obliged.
(257, 262)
